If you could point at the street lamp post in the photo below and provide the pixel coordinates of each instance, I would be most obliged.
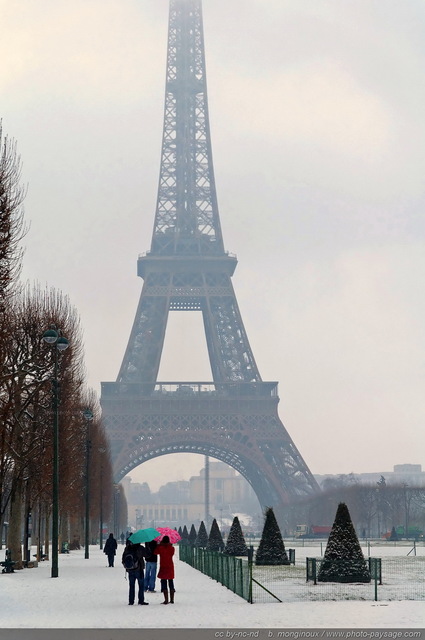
(101, 451)
(88, 416)
(116, 510)
(59, 343)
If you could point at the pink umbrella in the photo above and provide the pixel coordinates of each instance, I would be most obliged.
(171, 533)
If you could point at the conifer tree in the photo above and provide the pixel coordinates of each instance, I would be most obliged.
(343, 560)
(185, 536)
(180, 531)
(215, 541)
(271, 550)
(192, 534)
(202, 537)
(236, 545)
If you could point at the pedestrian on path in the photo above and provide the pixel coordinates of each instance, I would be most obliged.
(151, 566)
(133, 560)
(110, 549)
(165, 551)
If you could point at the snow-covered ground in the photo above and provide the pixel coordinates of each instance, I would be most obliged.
(88, 594)
(403, 575)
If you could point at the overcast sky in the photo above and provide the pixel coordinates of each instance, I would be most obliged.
(318, 132)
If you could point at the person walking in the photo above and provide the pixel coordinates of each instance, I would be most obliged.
(165, 551)
(133, 560)
(110, 549)
(150, 566)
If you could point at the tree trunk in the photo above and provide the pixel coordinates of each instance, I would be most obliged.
(76, 533)
(2, 519)
(37, 530)
(15, 524)
(47, 535)
(63, 530)
(26, 553)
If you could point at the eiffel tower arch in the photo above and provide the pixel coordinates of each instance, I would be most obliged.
(233, 417)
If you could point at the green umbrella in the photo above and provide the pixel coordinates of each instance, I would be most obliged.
(143, 535)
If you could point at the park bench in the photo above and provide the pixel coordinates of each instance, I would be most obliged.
(8, 563)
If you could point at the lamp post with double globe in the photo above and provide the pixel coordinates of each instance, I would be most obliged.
(101, 450)
(59, 343)
(88, 416)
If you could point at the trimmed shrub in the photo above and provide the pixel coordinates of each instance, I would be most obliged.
(192, 534)
(343, 560)
(235, 544)
(185, 536)
(215, 541)
(202, 537)
(271, 550)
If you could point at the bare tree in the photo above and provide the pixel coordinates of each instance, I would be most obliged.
(26, 378)
(12, 227)
(26, 399)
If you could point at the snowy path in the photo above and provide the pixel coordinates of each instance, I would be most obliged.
(88, 594)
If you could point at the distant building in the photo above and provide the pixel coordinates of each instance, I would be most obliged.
(226, 486)
(410, 474)
(407, 468)
(136, 492)
(183, 502)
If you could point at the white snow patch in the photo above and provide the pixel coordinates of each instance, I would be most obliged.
(88, 594)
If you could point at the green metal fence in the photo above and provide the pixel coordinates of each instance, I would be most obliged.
(374, 565)
(400, 577)
(233, 573)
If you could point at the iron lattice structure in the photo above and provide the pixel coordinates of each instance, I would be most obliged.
(234, 418)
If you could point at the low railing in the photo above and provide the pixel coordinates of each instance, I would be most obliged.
(392, 578)
(233, 573)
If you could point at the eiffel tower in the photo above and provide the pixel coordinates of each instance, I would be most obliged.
(234, 417)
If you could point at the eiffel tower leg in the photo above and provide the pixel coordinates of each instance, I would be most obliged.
(230, 354)
(143, 354)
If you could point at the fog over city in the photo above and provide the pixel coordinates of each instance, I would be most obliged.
(318, 136)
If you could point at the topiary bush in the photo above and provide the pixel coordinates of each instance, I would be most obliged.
(271, 550)
(235, 544)
(215, 540)
(343, 560)
(202, 537)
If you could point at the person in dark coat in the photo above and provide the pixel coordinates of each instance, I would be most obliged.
(110, 549)
(165, 551)
(150, 566)
(139, 553)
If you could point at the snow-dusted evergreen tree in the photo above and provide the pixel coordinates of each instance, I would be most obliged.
(185, 536)
(271, 550)
(236, 545)
(202, 537)
(215, 541)
(192, 534)
(343, 560)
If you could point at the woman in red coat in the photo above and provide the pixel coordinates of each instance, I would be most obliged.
(165, 551)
